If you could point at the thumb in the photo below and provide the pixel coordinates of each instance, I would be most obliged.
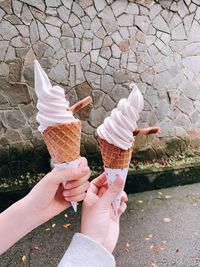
(112, 192)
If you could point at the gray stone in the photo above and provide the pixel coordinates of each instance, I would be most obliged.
(2, 13)
(114, 62)
(77, 9)
(124, 59)
(53, 3)
(102, 62)
(10, 55)
(34, 35)
(86, 21)
(15, 119)
(167, 128)
(99, 4)
(107, 83)
(43, 34)
(116, 37)
(86, 45)
(27, 133)
(86, 127)
(53, 30)
(88, 34)
(54, 21)
(97, 43)
(73, 20)
(162, 110)
(185, 105)
(94, 55)
(75, 57)
(108, 103)
(160, 24)
(154, 11)
(192, 49)
(125, 20)
(174, 7)
(101, 33)
(97, 116)
(93, 79)
(85, 3)
(52, 11)
(96, 68)
(63, 13)
(67, 3)
(59, 73)
(182, 9)
(116, 52)
(176, 20)
(7, 30)
(91, 12)
(4, 69)
(4, 104)
(191, 63)
(77, 44)
(80, 78)
(119, 91)
(108, 20)
(53, 42)
(78, 31)
(121, 76)
(17, 7)
(13, 19)
(132, 9)
(98, 97)
(67, 31)
(124, 32)
(85, 62)
(36, 3)
(178, 33)
(142, 22)
(105, 52)
(107, 41)
(3, 49)
(194, 32)
(95, 25)
(24, 30)
(61, 53)
(37, 14)
(19, 42)
(119, 7)
(188, 22)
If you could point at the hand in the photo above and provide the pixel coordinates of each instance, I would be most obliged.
(48, 198)
(99, 220)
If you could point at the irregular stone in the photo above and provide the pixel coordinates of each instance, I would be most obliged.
(124, 59)
(73, 20)
(40, 49)
(67, 31)
(107, 83)
(53, 31)
(94, 55)
(88, 34)
(105, 52)
(86, 21)
(175, 21)
(52, 11)
(75, 57)
(80, 78)
(37, 14)
(61, 53)
(54, 21)
(17, 7)
(53, 3)
(154, 11)
(188, 22)
(102, 62)
(59, 73)
(95, 25)
(7, 30)
(162, 109)
(108, 103)
(85, 62)
(97, 43)
(78, 31)
(24, 30)
(91, 12)
(63, 13)
(86, 45)
(108, 20)
(99, 4)
(4, 104)
(182, 9)
(3, 49)
(34, 35)
(93, 79)
(67, 3)
(116, 37)
(53, 42)
(90, 144)
(119, 7)
(77, 44)
(194, 34)
(86, 127)
(85, 3)
(4, 69)
(192, 49)
(13, 19)
(121, 76)
(119, 91)
(43, 34)
(124, 32)
(191, 63)
(116, 52)
(19, 42)
(96, 68)
(132, 9)
(125, 20)
(97, 116)
(15, 119)
(36, 3)
(98, 97)
(124, 45)
(142, 22)
(107, 41)
(15, 71)
(178, 33)
(160, 24)
(185, 105)
(114, 62)
(101, 33)
(77, 9)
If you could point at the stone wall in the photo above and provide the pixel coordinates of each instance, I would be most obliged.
(95, 48)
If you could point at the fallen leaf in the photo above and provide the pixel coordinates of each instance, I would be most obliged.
(53, 225)
(47, 229)
(140, 201)
(157, 249)
(36, 248)
(160, 193)
(167, 220)
(127, 245)
(24, 258)
(168, 196)
(153, 264)
(66, 215)
(67, 225)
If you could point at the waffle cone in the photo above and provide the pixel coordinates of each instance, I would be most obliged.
(114, 157)
(63, 141)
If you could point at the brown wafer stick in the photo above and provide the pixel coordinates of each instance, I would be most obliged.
(81, 104)
(146, 131)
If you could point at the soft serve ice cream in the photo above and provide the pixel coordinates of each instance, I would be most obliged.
(116, 137)
(52, 104)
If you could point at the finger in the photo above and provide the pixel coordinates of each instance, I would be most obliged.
(102, 191)
(76, 198)
(113, 191)
(124, 197)
(100, 180)
(76, 191)
(83, 162)
(122, 208)
(77, 183)
(65, 175)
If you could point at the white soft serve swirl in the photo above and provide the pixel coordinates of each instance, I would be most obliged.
(118, 128)
(52, 105)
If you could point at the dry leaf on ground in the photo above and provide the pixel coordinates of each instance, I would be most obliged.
(67, 225)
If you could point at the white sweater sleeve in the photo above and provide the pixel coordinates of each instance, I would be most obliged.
(85, 252)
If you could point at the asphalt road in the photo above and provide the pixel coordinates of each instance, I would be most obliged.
(161, 228)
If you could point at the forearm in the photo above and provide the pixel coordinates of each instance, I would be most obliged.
(16, 222)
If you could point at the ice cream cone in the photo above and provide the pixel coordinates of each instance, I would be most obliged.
(63, 141)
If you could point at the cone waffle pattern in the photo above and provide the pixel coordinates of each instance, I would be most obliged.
(63, 141)
(114, 157)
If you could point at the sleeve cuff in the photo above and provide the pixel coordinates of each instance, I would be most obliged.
(84, 251)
